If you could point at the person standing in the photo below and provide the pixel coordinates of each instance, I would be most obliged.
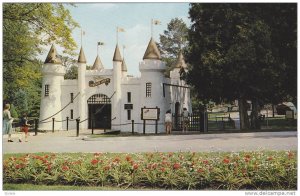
(185, 120)
(168, 122)
(7, 122)
(25, 126)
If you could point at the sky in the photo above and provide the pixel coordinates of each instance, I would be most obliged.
(100, 20)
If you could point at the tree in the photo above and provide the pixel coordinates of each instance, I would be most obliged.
(27, 27)
(234, 55)
(172, 41)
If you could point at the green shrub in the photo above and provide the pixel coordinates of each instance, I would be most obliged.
(184, 171)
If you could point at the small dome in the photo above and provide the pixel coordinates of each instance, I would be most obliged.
(52, 56)
(152, 51)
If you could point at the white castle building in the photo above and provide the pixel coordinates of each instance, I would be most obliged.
(109, 96)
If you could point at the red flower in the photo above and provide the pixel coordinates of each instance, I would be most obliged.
(128, 158)
(49, 167)
(270, 158)
(117, 159)
(97, 154)
(77, 162)
(94, 161)
(163, 169)
(176, 166)
(205, 162)
(65, 168)
(290, 155)
(46, 156)
(135, 166)
(226, 161)
(107, 167)
(19, 166)
(200, 170)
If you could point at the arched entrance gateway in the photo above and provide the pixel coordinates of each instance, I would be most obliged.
(99, 108)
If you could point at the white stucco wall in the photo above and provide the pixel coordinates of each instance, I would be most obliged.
(53, 75)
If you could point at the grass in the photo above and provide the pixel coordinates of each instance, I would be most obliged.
(34, 187)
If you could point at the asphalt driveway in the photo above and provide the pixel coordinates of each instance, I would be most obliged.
(65, 141)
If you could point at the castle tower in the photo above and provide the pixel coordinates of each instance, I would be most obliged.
(124, 68)
(152, 79)
(180, 97)
(82, 104)
(116, 99)
(53, 75)
(97, 64)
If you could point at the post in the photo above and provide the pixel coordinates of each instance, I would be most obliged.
(144, 126)
(132, 126)
(77, 127)
(92, 121)
(36, 126)
(67, 123)
(53, 119)
(155, 126)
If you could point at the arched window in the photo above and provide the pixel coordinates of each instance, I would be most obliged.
(99, 99)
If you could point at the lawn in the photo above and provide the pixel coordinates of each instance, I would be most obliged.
(170, 171)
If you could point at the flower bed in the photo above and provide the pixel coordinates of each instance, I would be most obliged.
(245, 170)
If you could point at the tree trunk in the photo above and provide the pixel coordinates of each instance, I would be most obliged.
(255, 120)
(244, 120)
(273, 110)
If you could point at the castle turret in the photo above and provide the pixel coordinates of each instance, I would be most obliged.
(124, 68)
(117, 75)
(82, 106)
(97, 64)
(53, 75)
(152, 79)
(180, 97)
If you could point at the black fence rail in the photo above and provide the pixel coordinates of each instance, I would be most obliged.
(196, 122)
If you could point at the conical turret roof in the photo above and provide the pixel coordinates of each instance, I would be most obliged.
(124, 66)
(117, 54)
(97, 64)
(152, 51)
(81, 57)
(180, 61)
(52, 56)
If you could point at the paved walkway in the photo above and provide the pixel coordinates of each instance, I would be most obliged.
(66, 141)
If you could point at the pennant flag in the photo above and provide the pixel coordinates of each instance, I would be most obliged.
(120, 29)
(156, 22)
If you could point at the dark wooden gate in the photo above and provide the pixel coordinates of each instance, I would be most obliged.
(196, 121)
(99, 108)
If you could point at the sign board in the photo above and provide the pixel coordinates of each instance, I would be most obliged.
(96, 83)
(150, 114)
(289, 114)
(128, 106)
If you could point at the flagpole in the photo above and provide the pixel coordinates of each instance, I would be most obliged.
(117, 36)
(97, 49)
(81, 37)
(151, 28)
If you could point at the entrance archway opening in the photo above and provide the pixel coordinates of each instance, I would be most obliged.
(99, 108)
